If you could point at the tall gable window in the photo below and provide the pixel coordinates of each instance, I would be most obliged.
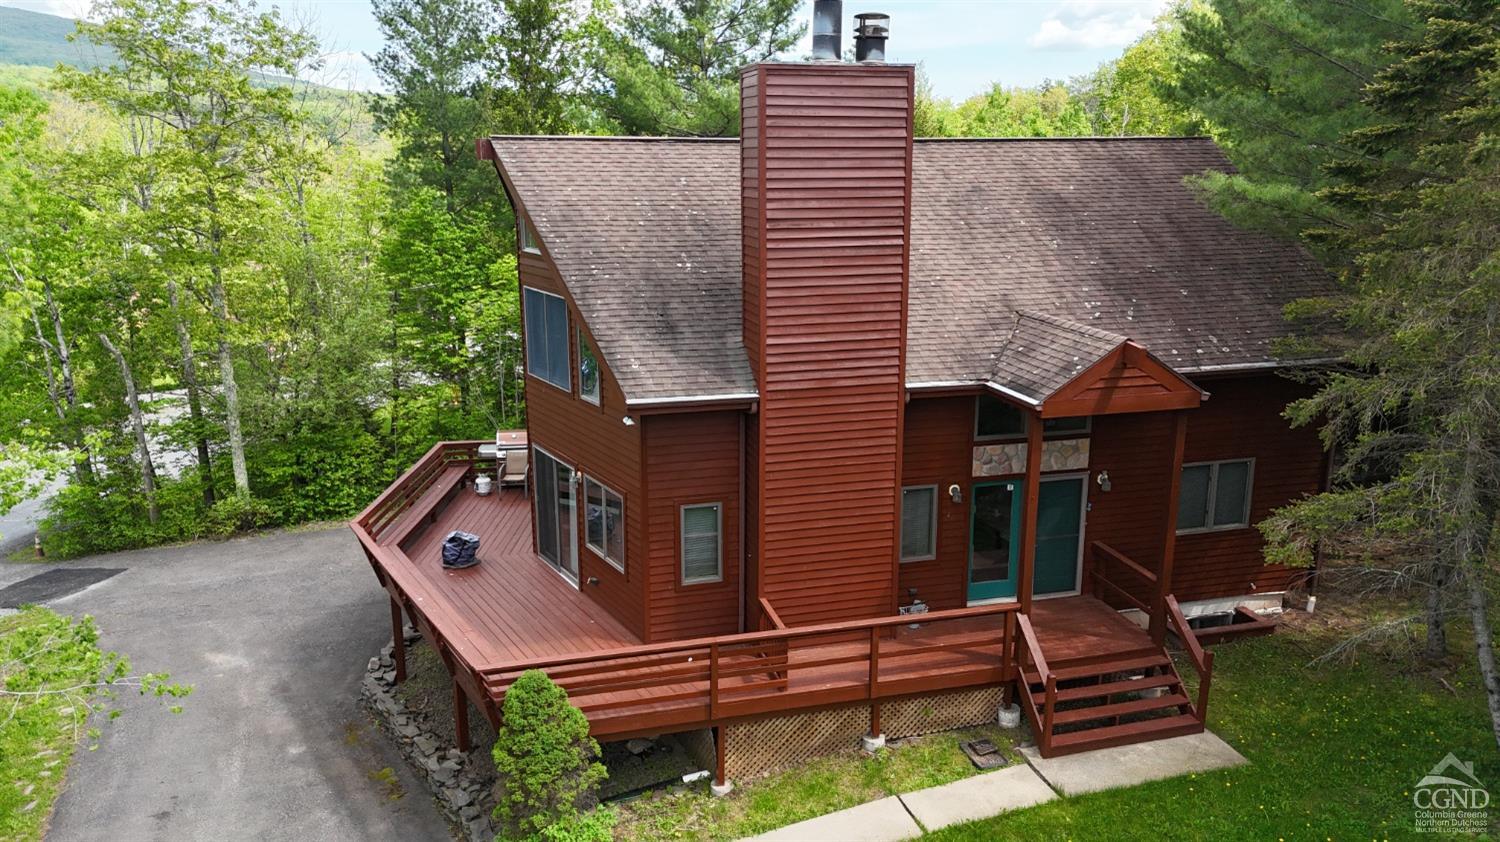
(702, 544)
(588, 371)
(1215, 495)
(547, 338)
(525, 237)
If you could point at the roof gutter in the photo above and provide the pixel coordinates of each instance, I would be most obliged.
(931, 385)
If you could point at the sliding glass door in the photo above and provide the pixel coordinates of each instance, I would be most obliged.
(556, 514)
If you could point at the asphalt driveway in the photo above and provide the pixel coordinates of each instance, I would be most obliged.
(273, 632)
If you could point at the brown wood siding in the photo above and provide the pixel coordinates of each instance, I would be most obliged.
(831, 205)
(595, 441)
(1243, 419)
(691, 458)
(937, 451)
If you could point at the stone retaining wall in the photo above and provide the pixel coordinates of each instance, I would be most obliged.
(462, 785)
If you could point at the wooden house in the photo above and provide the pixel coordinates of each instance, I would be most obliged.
(782, 388)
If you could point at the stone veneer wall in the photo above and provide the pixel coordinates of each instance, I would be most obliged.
(996, 460)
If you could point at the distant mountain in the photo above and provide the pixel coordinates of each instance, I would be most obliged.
(32, 38)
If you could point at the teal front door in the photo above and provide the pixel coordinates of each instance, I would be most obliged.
(994, 532)
(1059, 529)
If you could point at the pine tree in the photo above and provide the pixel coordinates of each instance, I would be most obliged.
(1418, 188)
(671, 67)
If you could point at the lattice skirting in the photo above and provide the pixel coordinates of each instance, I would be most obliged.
(755, 748)
(752, 749)
(700, 746)
(946, 712)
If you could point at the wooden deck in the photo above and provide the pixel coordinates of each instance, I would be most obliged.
(519, 606)
(513, 612)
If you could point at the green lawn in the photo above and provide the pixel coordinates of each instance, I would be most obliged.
(38, 733)
(810, 790)
(1334, 753)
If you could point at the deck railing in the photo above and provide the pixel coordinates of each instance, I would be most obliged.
(709, 680)
(410, 486)
(1105, 558)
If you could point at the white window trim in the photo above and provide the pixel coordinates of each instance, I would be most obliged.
(529, 373)
(598, 373)
(1213, 489)
(932, 513)
(603, 552)
(525, 232)
(682, 542)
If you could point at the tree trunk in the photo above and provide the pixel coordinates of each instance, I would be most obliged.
(231, 388)
(195, 400)
(84, 467)
(1484, 645)
(138, 424)
(1437, 630)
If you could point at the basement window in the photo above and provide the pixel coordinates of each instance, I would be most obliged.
(702, 543)
(1215, 496)
(919, 523)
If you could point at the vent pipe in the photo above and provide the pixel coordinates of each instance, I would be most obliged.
(869, 36)
(828, 29)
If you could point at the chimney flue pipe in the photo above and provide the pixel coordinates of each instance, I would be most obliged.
(870, 32)
(828, 29)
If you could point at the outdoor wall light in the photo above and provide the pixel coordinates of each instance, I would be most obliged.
(1103, 480)
(955, 493)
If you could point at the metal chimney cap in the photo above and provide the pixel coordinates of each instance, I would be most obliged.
(870, 36)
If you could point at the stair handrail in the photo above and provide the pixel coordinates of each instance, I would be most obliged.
(1104, 554)
(1049, 679)
(1202, 659)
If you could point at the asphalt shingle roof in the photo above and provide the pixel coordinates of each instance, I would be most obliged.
(1098, 232)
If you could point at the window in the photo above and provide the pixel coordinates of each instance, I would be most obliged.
(1215, 495)
(604, 525)
(547, 337)
(996, 419)
(919, 523)
(702, 550)
(525, 237)
(588, 371)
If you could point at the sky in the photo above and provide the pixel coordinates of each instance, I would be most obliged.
(963, 45)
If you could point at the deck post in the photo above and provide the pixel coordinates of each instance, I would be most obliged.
(398, 641)
(721, 785)
(1169, 546)
(1026, 559)
(461, 717)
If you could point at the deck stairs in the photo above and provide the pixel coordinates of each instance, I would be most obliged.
(1102, 701)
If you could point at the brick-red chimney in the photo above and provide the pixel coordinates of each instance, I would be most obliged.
(826, 201)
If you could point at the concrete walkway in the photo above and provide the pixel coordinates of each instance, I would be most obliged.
(1037, 781)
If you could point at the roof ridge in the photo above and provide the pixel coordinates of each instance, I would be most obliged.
(1065, 139)
(1070, 324)
(615, 138)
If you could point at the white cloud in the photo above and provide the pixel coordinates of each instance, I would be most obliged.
(1093, 24)
(75, 9)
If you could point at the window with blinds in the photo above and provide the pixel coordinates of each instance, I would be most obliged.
(919, 523)
(547, 337)
(702, 544)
